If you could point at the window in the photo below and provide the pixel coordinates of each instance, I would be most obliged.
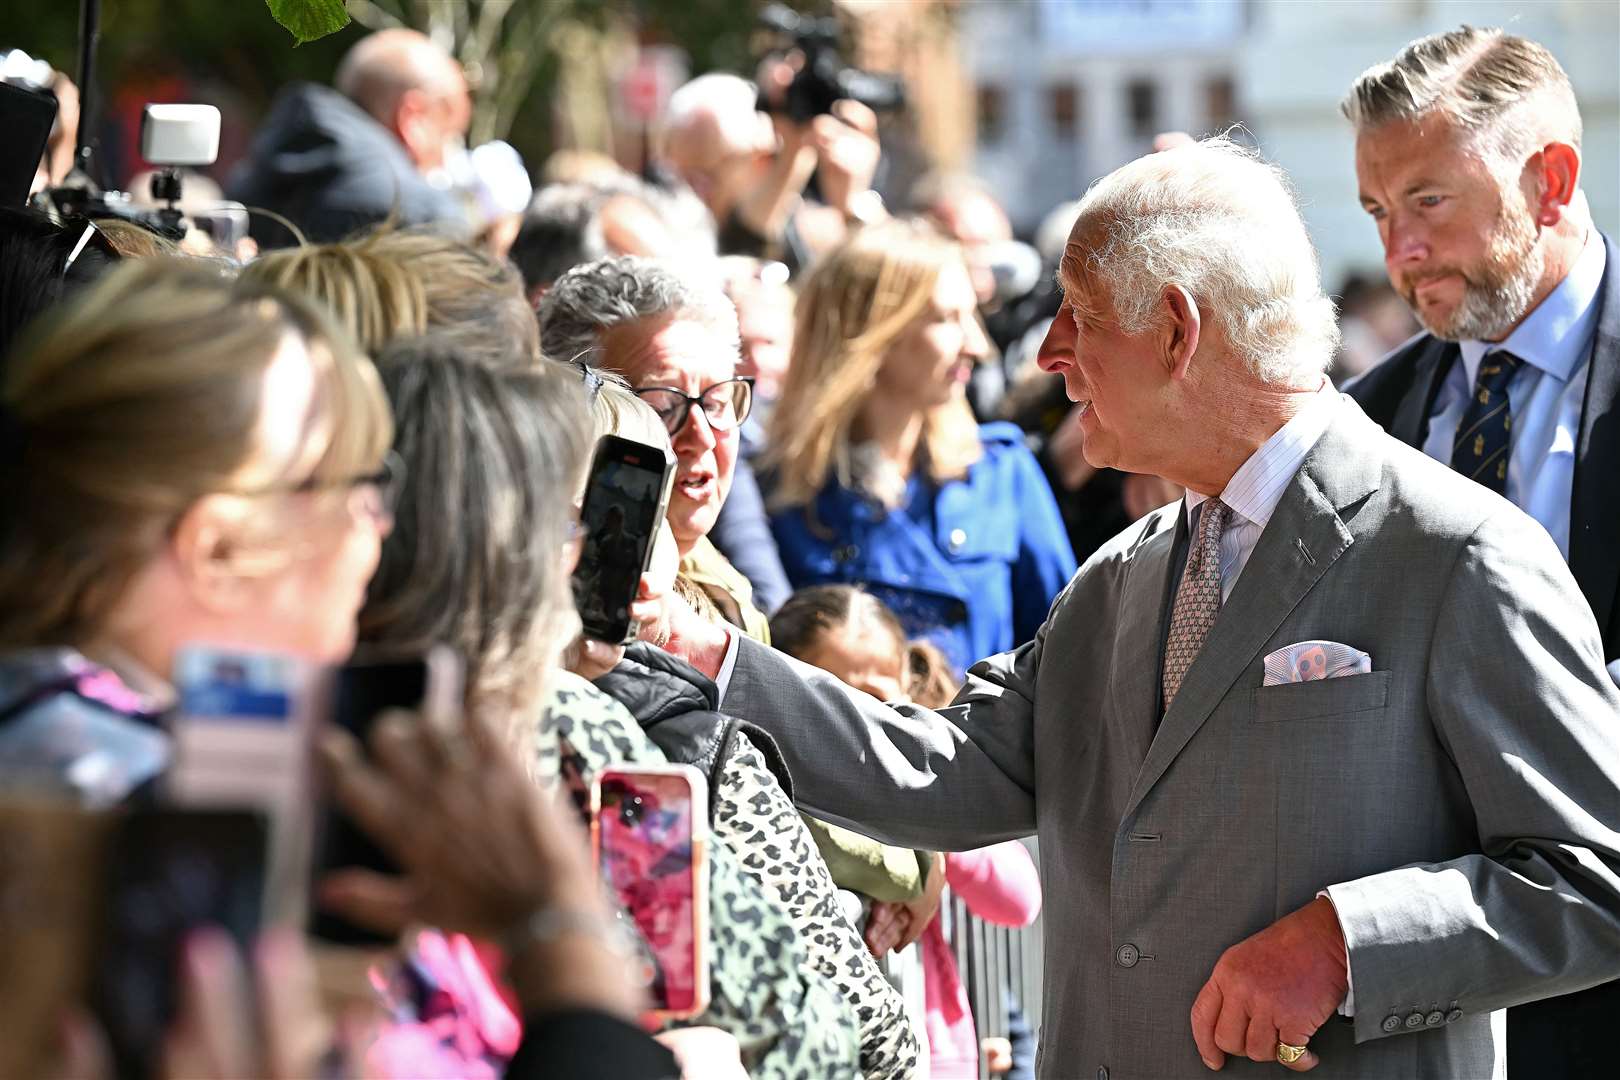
(1220, 102)
(992, 108)
(1142, 99)
(1063, 107)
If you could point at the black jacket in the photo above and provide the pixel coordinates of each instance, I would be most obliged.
(678, 707)
(1400, 391)
(321, 161)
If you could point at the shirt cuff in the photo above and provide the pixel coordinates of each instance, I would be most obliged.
(1614, 672)
(1347, 1007)
(723, 679)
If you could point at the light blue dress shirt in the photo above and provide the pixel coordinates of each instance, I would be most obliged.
(1545, 396)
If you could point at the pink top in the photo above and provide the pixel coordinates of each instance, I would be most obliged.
(999, 885)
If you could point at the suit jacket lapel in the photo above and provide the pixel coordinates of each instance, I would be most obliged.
(1303, 539)
(1594, 516)
(1411, 421)
(1139, 648)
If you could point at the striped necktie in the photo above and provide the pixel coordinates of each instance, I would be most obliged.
(1485, 432)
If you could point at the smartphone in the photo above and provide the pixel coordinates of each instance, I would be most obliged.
(429, 685)
(626, 496)
(168, 872)
(649, 834)
(242, 736)
(27, 117)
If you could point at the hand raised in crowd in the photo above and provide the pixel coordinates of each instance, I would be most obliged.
(1278, 986)
(219, 1031)
(484, 851)
(649, 612)
(847, 153)
(705, 1053)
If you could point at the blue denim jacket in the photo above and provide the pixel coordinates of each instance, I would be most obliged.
(972, 566)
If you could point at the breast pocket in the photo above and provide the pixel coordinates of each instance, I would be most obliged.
(1348, 697)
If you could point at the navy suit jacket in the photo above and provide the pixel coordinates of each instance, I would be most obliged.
(1399, 394)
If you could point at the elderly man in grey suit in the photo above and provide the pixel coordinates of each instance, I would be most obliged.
(1323, 759)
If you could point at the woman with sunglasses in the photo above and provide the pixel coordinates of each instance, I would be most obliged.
(183, 460)
(674, 338)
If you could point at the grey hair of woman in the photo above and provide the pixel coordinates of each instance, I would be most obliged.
(492, 461)
(610, 292)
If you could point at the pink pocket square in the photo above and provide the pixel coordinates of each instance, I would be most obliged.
(1308, 661)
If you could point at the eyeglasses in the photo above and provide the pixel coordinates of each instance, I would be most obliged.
(726, 405)
(386, 485)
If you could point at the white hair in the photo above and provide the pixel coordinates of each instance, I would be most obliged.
(731, 100)
(1221, 223)
(592, 298)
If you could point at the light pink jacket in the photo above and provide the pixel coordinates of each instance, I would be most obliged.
(999, 884)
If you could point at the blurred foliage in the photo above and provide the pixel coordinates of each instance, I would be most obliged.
(238, 56)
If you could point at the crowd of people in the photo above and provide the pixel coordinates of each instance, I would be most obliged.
(1309, 695)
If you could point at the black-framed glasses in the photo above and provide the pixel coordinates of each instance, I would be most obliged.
(726, 405)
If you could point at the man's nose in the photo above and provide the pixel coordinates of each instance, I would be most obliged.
(1057, 348)
(1405, 243)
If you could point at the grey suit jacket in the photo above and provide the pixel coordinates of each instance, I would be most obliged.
(1461, 801)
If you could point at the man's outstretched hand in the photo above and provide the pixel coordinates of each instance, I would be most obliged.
(1278, 986)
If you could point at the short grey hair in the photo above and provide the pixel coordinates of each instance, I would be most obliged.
(592, 298)
(730, 99)
(1508, 92)
(1215, 219)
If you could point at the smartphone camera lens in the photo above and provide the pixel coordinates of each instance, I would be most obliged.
(631, 811)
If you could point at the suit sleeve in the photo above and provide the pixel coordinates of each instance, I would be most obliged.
(959, 778)
(1521, 703)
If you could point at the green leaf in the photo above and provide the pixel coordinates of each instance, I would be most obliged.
(307, 20)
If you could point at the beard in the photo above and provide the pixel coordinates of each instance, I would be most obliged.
(1497, 290)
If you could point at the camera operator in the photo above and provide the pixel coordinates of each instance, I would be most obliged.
(751, 169)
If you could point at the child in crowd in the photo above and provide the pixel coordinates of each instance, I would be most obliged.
(850, 633)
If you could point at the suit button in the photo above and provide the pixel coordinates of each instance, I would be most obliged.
(1102, 1073)
(1415, 1020)
(957, 541)
(1434, 1019)
(1453, 1016)
(1127, 955)
(1392, 1024)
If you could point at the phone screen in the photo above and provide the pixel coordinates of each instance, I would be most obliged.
(360, 692)
(169, 872)
(624, 505)
(648, 851)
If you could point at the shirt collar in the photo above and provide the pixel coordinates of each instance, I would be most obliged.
(1554, 336)
(1258, 485)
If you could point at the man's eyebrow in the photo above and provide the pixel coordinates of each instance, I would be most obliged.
(1418, 185)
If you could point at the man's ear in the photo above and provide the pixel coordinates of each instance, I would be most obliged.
(410, 121)
(1556, 174)
(205, 555)
(1182, 326)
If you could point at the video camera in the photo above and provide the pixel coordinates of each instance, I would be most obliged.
(824, 78)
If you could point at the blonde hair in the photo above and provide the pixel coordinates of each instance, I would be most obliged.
(134, 241)
(134, 401)
(857, 301)
(389, 284)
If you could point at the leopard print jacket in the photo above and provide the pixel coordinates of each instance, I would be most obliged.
(778, 849)
(790, 1021)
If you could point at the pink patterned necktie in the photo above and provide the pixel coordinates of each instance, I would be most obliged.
(1198, 599)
